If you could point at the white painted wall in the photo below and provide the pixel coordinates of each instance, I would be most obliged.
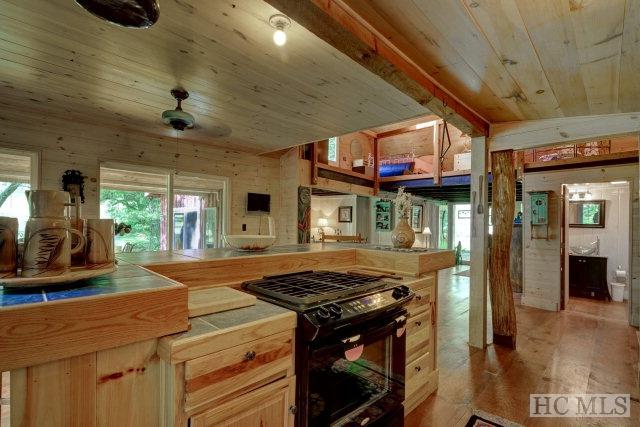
(327, 207)
(614, 237)
(541, 258)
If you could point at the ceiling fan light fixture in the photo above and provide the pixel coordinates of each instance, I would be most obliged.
(125, 13)
(176, 118)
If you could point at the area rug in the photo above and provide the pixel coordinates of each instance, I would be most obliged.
(485, 419)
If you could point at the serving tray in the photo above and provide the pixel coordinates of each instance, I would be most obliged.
(75, 274)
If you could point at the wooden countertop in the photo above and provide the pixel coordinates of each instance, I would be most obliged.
(226, 267)
(130, 305)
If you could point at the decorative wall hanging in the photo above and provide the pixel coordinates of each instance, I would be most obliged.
(73, 182)
(345, 214)
(304, 214)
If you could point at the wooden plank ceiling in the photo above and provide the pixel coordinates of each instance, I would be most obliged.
(513, 60)
(59, 61)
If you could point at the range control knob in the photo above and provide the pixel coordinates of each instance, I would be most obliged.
(400, 291)
(335, 310)
(323, 314)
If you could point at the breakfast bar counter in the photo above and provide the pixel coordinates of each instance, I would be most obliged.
(121, 349)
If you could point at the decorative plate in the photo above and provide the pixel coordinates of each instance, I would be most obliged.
(75, 274)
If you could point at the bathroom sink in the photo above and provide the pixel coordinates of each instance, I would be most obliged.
(581, 250)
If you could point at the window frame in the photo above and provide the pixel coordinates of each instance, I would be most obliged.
(171, 174)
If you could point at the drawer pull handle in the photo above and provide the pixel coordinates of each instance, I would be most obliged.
(293, 409)
(418, 297)
(418, 368)
(418, 323)
(250, 355)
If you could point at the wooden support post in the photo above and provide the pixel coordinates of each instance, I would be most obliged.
(438, 131)
(376, 167)
(314, 163)
(503, 203)
(479, 237)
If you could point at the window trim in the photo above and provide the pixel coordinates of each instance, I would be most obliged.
(34, 167)
(171, 174)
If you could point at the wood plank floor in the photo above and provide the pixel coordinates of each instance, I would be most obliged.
(588, 348)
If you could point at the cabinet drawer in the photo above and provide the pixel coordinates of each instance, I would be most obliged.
(421, 301)
(418, 335)
(219, 377)
(269, 406)
(417, 374)
(427, 280)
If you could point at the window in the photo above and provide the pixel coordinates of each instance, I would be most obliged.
(141, 199)
(332, 152)
(443, 223)
(17, 172)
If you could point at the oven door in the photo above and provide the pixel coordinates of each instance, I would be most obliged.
(356, 377)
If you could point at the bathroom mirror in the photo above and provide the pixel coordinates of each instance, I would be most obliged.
(586, 213)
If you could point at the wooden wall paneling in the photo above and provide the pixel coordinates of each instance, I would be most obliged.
(503, 202)
(566, 130)
(479, 244)
(501, 24)
(58, 393)
(599, 50)
(82, 145)
(548, 23)
(130, 386)
(402, 25)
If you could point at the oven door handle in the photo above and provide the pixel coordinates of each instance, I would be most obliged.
(351, 340)
(401, 321)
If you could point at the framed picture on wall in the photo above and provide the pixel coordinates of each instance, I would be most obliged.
(416, 218)
(345, 214)
(383, 215)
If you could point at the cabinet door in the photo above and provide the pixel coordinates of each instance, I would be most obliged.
(269, 406)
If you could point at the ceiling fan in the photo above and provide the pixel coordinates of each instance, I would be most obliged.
(126, 13)
(178, 119)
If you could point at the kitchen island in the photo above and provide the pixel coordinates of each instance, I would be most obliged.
(150, 380)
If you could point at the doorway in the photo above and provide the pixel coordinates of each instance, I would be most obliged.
(596, 244)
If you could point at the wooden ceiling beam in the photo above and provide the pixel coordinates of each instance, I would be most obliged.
(566, 130)
(333, 22)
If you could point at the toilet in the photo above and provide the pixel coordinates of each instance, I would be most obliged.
(617, 291)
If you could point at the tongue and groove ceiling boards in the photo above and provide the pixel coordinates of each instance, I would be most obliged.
(58, 61)
(512, 60)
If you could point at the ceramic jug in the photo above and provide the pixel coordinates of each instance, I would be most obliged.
(47, 203)
(47, 247)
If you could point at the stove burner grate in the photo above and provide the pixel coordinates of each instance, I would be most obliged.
(312, 287)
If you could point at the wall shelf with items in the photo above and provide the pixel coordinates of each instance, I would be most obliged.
(539, 214)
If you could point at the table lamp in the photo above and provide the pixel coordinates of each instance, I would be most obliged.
(427, 236)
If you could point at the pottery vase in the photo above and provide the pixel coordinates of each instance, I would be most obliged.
(403, 235)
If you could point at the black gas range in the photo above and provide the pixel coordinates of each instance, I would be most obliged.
(350, 345)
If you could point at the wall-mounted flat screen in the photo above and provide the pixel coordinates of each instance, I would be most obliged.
(257, 202)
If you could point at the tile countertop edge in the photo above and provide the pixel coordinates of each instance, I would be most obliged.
(172, 347)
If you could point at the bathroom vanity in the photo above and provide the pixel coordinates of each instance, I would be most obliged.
(588, 277)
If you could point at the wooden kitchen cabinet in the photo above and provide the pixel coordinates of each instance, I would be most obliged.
(421, 373)
(233, 368)
(269, 406)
